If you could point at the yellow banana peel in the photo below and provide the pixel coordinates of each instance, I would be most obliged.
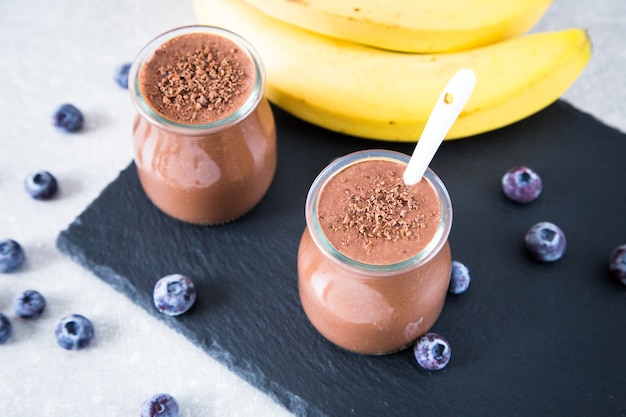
(423, 26)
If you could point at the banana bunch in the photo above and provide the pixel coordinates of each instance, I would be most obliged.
(348, 83)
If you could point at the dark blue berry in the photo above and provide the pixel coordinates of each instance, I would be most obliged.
(459, 278)
(29, 305)
(74, 331)
(11, 255)
(68, 118)
(5, 328)
(617, 263)
(41, 185)
(521, 184)
(174, 294)
(546, 242)
(160, 405)
(432, 352)
(121, 75)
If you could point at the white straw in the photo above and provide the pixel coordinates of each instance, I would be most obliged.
(447, 109)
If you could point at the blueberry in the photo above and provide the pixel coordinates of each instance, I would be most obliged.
(432, 352)
(68, 118)
(521, 184)
(121, 75)
(174, 294)
(74, 332)
(29, 305)
(546, 242)
(5, 328)
(617, 263)
(41, 185)
(11, 255)
(459, 278)
(160, 405)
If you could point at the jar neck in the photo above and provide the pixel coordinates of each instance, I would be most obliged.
(145, 110)
(433, 247)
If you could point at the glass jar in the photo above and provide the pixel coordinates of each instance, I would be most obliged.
(372, 308)
(207, 173)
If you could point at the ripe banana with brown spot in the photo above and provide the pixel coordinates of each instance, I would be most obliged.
(372, 93)
(423, 26)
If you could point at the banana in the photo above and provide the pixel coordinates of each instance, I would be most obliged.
(423, 26)
(376, 94)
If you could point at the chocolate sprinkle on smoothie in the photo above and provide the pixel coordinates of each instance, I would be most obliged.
(381, 212)
(195, 81)
(376, 211)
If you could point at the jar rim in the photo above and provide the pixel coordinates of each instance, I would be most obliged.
(318, 236)
(155, 118)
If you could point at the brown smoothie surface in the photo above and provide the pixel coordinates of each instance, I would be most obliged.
(367, 213)
(197, 78)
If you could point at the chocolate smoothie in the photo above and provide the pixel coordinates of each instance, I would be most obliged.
(197, 78)
(205, 138)
(375, 267)
(369, 214)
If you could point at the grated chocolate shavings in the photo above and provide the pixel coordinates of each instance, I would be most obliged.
(204, 79)
(381, 212)
(195, 81)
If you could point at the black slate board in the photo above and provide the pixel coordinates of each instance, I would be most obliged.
(528, 339)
